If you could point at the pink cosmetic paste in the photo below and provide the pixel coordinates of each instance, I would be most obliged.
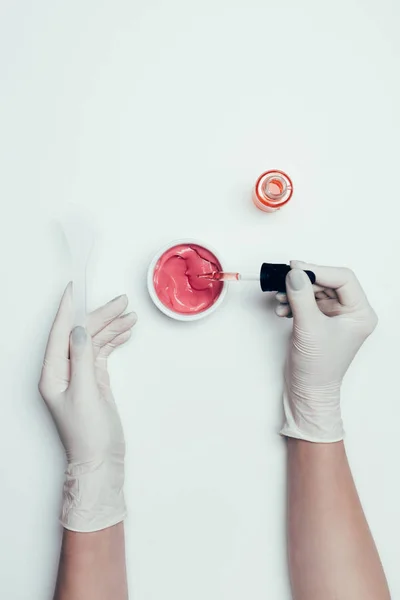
(176, 279)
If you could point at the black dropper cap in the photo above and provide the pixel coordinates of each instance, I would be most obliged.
(273, 277)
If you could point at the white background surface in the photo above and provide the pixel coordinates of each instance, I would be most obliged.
(157, 117)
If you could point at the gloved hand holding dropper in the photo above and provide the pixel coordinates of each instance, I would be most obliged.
(332, 319)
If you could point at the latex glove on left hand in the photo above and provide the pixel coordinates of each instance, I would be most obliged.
(75, 386)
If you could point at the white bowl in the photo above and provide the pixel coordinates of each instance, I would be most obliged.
(153, 295)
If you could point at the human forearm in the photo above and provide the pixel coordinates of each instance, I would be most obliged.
(92, 566)
(331, 551)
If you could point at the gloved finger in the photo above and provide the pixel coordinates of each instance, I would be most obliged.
(81, 359)
(120, 339)
(331, 293)
(331, 307)
(113, 329)
(301, 298)
(58, 342)
(342, 280)
(283, 310)
(318, 288)
(101, 317)
(281, 297)
(321, 295)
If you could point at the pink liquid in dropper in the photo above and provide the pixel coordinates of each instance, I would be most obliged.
(220, 276)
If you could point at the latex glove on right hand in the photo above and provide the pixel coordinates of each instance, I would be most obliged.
(76, 388)
(331, 321)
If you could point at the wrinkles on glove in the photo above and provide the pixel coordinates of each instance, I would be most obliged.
(312, 416)
(93, 495)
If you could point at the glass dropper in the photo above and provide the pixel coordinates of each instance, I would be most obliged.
(223, 276)
(271, 277)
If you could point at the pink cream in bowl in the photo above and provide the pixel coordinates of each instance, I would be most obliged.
(174, 284)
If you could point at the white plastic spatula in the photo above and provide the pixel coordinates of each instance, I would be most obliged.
(79, 234)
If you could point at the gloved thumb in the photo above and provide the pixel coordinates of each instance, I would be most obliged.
(301, 298)
(81, 356)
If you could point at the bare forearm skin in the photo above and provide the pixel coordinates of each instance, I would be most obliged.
(92, 566)
(332, 555)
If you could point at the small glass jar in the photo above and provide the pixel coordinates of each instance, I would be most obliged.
(273, 189)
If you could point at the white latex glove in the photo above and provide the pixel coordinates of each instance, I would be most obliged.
(331, 320)
(76, 389)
